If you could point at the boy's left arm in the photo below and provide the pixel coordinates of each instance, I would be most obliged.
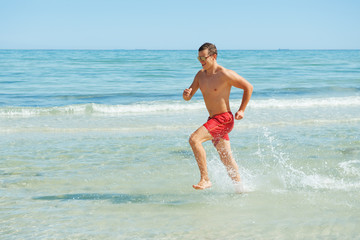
(239, 82)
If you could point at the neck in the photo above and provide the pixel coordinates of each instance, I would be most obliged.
(212, 69)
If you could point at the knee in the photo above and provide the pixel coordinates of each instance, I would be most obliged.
(193, 140)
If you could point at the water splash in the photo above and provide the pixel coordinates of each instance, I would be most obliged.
(276, 170)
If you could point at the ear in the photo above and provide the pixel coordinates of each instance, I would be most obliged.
(215, 56)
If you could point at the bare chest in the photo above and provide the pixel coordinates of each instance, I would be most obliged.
(212, 85)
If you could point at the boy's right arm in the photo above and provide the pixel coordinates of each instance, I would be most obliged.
(189, 92)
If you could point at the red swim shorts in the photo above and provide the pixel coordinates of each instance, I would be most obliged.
(219, 126)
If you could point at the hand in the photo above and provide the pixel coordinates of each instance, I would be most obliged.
(239, 115)
(187, 94)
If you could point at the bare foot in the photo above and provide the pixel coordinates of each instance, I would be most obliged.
(202, 185)
(239, 188)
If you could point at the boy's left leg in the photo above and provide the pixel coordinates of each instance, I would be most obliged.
(224, 150)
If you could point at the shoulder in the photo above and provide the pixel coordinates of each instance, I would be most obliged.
(199, 73)
(233, 79)
(230, 74)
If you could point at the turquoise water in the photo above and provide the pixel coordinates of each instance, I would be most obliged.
(94, 145)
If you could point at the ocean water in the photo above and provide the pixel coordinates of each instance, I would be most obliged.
(94, 145)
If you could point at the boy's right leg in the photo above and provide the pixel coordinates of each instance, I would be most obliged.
(196, 139)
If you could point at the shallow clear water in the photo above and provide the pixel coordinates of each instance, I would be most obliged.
(95, 146)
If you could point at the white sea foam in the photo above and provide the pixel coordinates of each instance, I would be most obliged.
(306, 102)
(35, 111)
(351, 167)
(152, 107)
(174, 106)
(92, 108)
(317, 181)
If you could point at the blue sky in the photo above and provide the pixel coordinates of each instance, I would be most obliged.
(185, 24)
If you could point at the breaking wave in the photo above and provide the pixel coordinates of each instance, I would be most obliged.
(174, 106)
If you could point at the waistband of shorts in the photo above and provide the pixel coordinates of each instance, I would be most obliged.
(220, 114)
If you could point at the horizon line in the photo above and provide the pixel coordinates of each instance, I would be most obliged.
(147, 49)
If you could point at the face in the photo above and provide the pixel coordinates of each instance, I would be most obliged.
(206, 61)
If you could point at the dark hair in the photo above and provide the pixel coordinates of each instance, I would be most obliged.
(211, 47)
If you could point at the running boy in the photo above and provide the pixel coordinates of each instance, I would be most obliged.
(215, 82)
